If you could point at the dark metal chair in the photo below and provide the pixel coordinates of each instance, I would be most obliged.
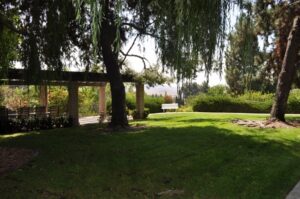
(3, 119)
(12, 114)
(53, 111)
(23, 113)
(40, 112)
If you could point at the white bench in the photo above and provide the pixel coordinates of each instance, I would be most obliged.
(173, 106)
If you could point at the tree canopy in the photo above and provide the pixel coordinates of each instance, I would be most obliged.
(189, 35)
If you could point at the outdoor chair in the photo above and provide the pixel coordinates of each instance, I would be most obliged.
(3, 119)
(23, 113)
(40, 112)
(12, 114)
(3, 113)
(53, 111)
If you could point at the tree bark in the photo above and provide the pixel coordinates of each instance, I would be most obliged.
(287, 73)
(110, 59)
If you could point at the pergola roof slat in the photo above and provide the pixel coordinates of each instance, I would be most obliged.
(21, 77)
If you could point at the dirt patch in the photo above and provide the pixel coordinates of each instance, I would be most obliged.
(268, 124)
(14, 158)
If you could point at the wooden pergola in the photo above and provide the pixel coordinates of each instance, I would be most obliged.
(73, 80)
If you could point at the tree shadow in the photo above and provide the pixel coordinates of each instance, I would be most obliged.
(211, 120)
(205, 162)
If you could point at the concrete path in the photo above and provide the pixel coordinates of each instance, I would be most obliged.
(295, 193)
(89, 120)
(95, 120)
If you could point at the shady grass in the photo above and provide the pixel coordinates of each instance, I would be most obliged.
(203, 154)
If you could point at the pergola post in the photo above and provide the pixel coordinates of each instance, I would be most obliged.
(44, 96)
(73, 102)
(102, 101)
(140, 100)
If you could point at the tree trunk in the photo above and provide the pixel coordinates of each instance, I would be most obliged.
(110, 59)
(287, 73)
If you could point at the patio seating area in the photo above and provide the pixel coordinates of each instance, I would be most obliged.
(32, 118)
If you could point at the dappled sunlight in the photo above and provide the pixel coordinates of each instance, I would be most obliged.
(15, 135)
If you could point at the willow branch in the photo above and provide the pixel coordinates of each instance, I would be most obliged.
(137, 56)
(125, 56)
(9, 24)
(141, 30)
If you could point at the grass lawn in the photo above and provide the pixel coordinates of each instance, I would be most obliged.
(203, 154)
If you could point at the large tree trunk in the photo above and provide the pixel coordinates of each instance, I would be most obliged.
(287, 73)
(110, 59)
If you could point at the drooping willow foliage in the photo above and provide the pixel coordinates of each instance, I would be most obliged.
(196, 38)
(189, 34)
(47, 33)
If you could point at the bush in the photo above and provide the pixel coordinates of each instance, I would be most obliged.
(135, 114)
(30, 124)
(294, 101)
(168, 99)
(254, 102)
(153, 103)
(217, 90)
(130, 101)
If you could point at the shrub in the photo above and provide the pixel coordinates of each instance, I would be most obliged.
(168, 99)
(294, 101)
(217, 90)
(252, 102)
(30, 124)
(257, 96)
(135, 114)
(130, 101)
(229, 104)
(153, 103)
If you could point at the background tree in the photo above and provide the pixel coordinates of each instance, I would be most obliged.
(245, 62)
(192, 88)
(275, 19)
(287, 73)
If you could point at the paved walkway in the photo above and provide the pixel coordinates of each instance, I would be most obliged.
(89, 120)
(94, 120)
(295, 193)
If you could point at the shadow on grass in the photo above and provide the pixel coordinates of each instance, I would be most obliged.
(205, 162)
(211, 120)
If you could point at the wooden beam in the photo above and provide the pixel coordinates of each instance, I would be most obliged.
(140, 100)
(73, 105)
(23, 77)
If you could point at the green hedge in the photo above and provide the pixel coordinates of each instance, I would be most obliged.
(229, 104)
(248, 103)
(151, 103)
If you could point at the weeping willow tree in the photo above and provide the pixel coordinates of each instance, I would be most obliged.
(41, 34)
(189, 36)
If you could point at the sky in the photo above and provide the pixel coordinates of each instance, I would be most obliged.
(149, 53)
(146, 48)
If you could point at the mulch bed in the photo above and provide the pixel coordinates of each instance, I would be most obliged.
(14, 158)
(267, 124)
